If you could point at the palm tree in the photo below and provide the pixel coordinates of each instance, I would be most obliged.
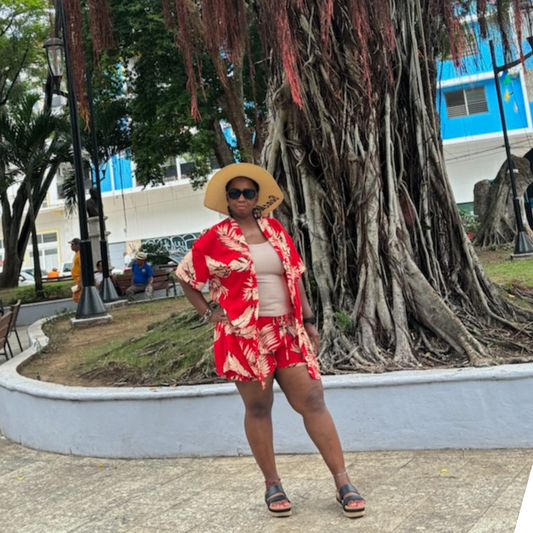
(113, 134)
(33, 143)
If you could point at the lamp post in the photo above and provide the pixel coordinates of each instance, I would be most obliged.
(522, 244)
(107, 289)
(57, 55)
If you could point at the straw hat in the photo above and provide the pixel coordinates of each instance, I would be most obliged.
(141, 255)
(270, 195)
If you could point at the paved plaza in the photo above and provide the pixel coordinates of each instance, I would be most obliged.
(448, 491)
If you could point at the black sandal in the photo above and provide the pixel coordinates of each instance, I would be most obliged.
(275, 493)
(350, 512)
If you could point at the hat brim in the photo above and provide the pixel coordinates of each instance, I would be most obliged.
(270, 195)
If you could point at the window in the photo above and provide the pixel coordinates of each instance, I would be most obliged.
(170, 170)
(185, 168)
(466, 102)
(48, 251)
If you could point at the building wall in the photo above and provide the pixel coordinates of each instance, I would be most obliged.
(473, 144)
(516, 109)
(135, 215)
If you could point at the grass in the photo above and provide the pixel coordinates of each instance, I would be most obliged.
(143, 346)
(163, 355)
(508, 272)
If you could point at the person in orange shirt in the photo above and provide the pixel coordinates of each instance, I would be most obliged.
(76, 270)
(54, 273)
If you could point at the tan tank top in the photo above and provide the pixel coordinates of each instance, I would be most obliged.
(274, 299)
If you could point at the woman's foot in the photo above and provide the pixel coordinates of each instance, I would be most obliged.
(277, 502)
(352, 503)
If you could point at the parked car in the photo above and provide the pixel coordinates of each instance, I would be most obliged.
(65, 269)
(31, 272)
(26, 279)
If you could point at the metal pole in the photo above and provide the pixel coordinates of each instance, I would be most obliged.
(107, 289)
(522, 244)
(90, 303)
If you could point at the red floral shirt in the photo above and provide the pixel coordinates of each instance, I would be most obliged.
(222, 257)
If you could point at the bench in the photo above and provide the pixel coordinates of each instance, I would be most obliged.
(56, 280)
(163, 280)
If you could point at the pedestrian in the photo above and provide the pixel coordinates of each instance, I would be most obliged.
(75, 271)
(126, 259)
(264, 325)
(142, 278)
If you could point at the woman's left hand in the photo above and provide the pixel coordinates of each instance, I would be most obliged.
(313, 335)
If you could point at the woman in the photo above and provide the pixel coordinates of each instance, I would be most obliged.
(264, 325)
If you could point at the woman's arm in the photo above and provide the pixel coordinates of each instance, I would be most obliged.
(307, 312)
(200, 303)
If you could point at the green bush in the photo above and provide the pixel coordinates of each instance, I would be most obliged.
(344, 322)
(51, 291)
(470, 221)
(157, 253)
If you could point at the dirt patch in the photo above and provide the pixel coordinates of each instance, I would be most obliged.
(489, 257)
(61, 361)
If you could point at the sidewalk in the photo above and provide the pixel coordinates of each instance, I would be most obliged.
(447, 491)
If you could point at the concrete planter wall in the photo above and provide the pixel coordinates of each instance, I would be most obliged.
(29, 313)
(460, 408)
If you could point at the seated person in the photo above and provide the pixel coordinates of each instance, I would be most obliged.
(98, 274)
(54, 273)
(143, 277)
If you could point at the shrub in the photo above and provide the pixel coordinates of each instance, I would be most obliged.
(344, 322)
(51, 291)
(470, 221)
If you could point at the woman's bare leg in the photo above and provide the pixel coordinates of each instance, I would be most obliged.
(258, 427)
(306, 396)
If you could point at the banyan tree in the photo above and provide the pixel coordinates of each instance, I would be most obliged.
(353, 138)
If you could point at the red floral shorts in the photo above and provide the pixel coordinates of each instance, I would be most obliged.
(278, 348)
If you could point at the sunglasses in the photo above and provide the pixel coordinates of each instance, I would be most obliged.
(249, 194)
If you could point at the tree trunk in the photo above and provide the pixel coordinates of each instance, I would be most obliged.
(13, 254)
(392, 273)
(17, 228)
(498, 222)
(35, 243)
(222, 150)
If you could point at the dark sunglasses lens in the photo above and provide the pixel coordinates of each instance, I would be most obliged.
(234, 193)
(249, 194)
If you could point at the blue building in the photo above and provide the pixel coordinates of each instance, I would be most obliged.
(470, 118)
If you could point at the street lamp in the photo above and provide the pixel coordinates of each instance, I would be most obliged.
(522, 244)
(55, 57)
(107, 288)
(90, 304)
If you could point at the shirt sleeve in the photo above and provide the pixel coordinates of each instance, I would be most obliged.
(193, 267)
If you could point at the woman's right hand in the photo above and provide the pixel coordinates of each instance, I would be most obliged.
(219, 315)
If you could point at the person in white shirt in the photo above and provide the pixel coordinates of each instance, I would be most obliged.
(98, 274)
(127, 259)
